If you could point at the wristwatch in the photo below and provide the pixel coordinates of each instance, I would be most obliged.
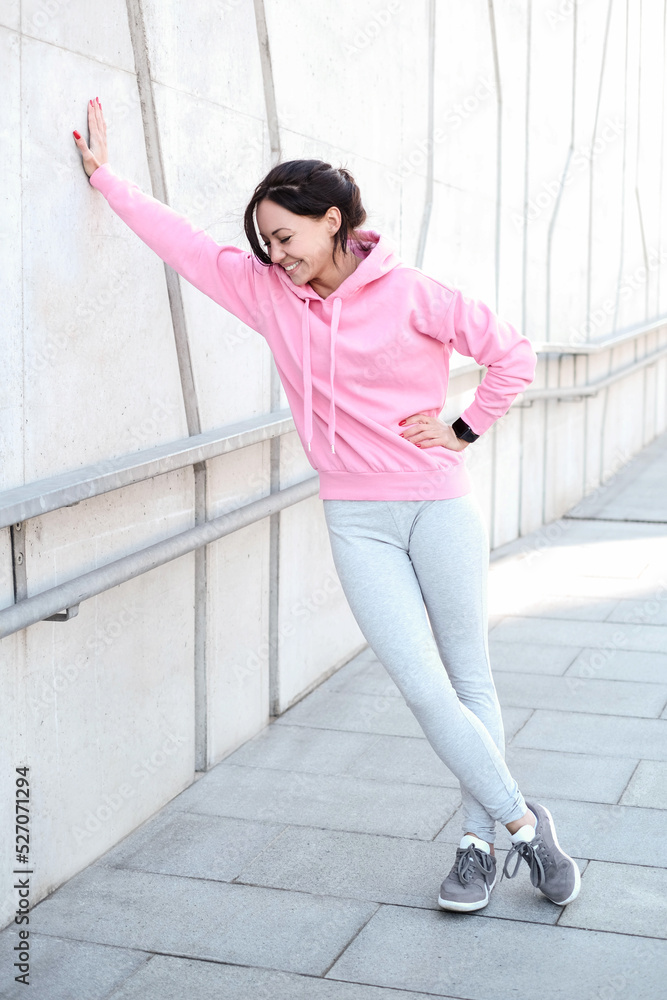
(463, 431)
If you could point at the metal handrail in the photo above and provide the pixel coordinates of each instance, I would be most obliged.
(68, 488)
(595, 346)
(81, 588)
(590, 388)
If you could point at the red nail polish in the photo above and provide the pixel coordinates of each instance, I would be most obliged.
(401, 422)
(76, 134)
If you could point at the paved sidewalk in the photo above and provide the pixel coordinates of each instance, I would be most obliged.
(306, 865)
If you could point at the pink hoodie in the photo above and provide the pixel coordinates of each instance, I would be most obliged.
(357, 362)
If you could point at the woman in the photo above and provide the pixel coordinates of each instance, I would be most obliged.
(362, 343)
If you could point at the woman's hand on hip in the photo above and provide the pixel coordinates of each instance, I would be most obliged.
(95, 154)
(429, 432)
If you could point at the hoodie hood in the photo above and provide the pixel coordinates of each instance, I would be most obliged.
(375, 263)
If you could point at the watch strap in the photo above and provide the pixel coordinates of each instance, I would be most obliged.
(463, 430)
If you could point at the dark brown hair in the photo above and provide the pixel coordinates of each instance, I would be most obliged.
(309, 187)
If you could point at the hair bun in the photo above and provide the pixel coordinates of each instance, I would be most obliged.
(308, 187)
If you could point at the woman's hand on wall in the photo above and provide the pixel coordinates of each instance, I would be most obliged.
(428, 432)
(95, 154)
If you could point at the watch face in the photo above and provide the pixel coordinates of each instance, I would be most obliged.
(463, 431)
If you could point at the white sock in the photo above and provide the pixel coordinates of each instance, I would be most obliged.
(524, 834)
(481, 844)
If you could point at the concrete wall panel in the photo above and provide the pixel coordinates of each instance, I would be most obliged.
(316, 630)
(237, 651)
(210, 184)
(64, 543)
(465, 101)
(106, 703)
(208, 51)
(532, 467)
(11, 308)
(350, 70)
(661, 393)
(465, 257)
(511, 29)
(10, 14)
(84, 273)
(507, 478)
(6, 569)
(100, 32)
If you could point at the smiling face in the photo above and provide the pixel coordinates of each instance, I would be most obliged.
(299, 240)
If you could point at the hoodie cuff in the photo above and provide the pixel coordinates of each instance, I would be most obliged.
(102, 177)
(477, 420)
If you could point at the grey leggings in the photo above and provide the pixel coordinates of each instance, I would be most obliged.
(414, 573)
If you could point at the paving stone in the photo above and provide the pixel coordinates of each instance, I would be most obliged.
(378, 714)
(539, 772)
(588, 777)
(566, 606)
(169, 978)
(193, 845)
(382, 869)
(403, 758)
(587, 588)
(65, 970)
(302, 748)
(590, 830)
(337, 802)
(608, 735)
(642, 890)
(352, 712)
(612, 635)
(638, 489)
(648, 786)
(197, 918)
(580, 694)
(650, 611)
(450, 954)
(591, 549)
(620, 665)
(514, 719)
(530, 657)
(370, 677)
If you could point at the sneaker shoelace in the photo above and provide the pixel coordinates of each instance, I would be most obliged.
(470, 860)
(536, 857)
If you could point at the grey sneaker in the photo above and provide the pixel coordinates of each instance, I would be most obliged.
(473, 876)
(552, 871)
